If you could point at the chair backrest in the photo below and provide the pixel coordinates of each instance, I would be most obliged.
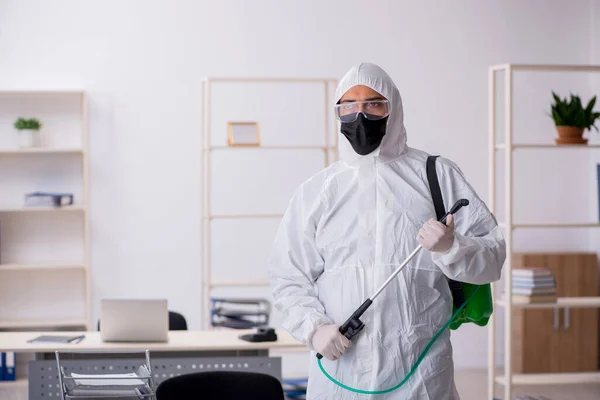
(221, 385)
(177, 322)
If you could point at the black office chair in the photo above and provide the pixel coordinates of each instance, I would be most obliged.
(177, 322)
(221, 385)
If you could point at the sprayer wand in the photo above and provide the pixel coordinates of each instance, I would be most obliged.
(354, 325)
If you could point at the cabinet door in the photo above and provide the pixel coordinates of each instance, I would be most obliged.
(536, 341)
(578, 343)
(577, 277)
(560, 340)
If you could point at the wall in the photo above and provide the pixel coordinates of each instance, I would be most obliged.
(142, 63)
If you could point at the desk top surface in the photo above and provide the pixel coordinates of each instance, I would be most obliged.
(178, 341)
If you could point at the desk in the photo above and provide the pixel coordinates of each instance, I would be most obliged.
(185, 352)
(212, 340)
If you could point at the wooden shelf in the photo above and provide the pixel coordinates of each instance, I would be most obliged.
(547, 67)
(27, 92)
(561, 302)
(256, 283)
(554, 225)
(42, 209)
(268, 80)
(41, 323)
(41, 150)
(41, 266)
(245, 216)
(502, 146)
(20, 383)
(552, 378)
(324, 148)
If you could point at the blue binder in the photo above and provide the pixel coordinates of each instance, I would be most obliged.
(2, 356)
(9, 366)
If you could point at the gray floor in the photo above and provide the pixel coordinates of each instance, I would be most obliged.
(472, 385)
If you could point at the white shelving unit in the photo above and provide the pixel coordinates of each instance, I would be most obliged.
(510, 379)
(329, 151)
(63, 143)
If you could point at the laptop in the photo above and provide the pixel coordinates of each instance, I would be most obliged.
(134, 320)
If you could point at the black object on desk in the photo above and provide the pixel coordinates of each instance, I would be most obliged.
(263, 334)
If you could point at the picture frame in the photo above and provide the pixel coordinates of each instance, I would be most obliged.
(243, 134)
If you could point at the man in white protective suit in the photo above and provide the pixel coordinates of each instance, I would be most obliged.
(351, 225)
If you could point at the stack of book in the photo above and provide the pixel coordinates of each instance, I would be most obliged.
(533, 285)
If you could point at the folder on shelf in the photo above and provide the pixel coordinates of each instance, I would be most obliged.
(2, 366)
(10, 366)
(44, 199)
(239, 313)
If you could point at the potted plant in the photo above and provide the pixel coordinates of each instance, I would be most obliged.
(571, 118)
(28, 129)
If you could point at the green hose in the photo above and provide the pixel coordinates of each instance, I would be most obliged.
(414, 367)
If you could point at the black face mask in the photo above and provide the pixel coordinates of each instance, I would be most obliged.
(364, 134)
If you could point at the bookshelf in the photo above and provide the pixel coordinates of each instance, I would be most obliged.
(508, 379)
(212, 148)
(44, 251)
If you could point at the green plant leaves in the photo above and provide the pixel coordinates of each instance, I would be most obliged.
(570, 112)
(23, 123)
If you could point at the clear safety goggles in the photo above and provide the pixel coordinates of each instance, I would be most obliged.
(371, 109)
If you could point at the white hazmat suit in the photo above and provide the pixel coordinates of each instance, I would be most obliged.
(345, 232)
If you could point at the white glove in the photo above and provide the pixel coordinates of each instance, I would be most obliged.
(328, 341)
(437, 237)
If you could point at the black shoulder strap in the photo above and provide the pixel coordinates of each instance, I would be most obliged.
(434, 187)
(440, 210)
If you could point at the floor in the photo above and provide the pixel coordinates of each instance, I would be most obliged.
(472, 385)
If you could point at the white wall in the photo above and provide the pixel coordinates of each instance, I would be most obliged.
(142, 62)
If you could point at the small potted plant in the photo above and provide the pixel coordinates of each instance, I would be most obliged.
(28, 130)
(571, 118)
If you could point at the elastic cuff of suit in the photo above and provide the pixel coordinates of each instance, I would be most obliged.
(447, 257)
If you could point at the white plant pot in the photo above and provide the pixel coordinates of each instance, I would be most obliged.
(27, 138)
